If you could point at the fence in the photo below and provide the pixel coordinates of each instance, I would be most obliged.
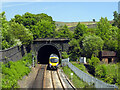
(91, 80)
(65, 62)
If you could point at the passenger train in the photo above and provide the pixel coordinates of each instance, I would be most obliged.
(53, 61)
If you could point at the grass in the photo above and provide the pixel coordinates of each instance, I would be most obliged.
(111, 72)
(80, 66)
(77, 82)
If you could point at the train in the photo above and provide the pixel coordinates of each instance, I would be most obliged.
(53, 61)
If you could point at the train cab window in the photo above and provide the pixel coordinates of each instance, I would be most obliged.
(54, 60)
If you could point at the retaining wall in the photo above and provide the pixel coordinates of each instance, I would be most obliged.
(12, 54)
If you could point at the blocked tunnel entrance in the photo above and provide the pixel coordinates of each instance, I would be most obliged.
(45, 52)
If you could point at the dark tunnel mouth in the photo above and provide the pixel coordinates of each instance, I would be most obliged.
(44, 53)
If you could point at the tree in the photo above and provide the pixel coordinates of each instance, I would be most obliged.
(63, 32)
(115, 18)
(103, 27)
(21, 33)
(74, 50)
(93, 20)
(8, 39)
(94, 61)
(43, 29)
(103, 30)
(118, 49)
(32, 21)
(79, 30)
(119, 21)
(92, 45)
(112, 43)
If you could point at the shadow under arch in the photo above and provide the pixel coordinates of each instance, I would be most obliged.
(45, 51)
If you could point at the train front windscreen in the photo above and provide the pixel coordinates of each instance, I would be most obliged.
(54, 60)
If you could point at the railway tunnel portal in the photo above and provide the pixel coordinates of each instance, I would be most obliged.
(43, 48)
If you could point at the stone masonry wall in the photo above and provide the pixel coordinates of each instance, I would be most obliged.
(12, 54)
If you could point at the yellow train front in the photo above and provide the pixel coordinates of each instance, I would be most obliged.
(53, 61)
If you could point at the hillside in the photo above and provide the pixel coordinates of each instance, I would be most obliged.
(69, 24)
(72, 25)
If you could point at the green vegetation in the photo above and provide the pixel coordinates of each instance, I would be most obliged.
(64, 55)
(80, 66)
(108, 73)
(63, 32)
(41, 25)
(14, 71)
(92, 45)
(94, 61)
(84, 41)
(77, 82)
(74, 51)
(23, 29)
(14, 33)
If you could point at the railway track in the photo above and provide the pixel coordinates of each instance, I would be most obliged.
(39, 80)
(51, 79)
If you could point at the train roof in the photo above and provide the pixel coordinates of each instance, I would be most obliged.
(53, 55)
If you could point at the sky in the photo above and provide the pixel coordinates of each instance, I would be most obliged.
(69, 11)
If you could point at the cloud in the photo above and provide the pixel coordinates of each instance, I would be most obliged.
(60, 0)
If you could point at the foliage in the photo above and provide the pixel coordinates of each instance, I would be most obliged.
(43, 29)
(103, 27)
(92, 45)
(118, 50)
(74, 50)
(21, 33)
(100, 71)
(108, 73)
(63, 32)
(41, 25)
(93, 20)
(79, 30)
(108, 33)
(112, 42)
(13, 71)
(118, 21)
(8, 40)
(94, 61)
(64, 55)
(115, 14)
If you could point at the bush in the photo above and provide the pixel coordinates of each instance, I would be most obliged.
(64, 55)
(109, 79)
(108, 73)
(100, 71)
(94, 61)
(14, 71)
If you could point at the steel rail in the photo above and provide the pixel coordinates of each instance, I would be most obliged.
(52, 81)
(60, 80)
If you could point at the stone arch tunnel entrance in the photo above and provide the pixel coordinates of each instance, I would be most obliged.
(45, 52)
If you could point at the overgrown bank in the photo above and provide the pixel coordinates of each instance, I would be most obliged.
(77, 82)
(108, 73)
(14, 71)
